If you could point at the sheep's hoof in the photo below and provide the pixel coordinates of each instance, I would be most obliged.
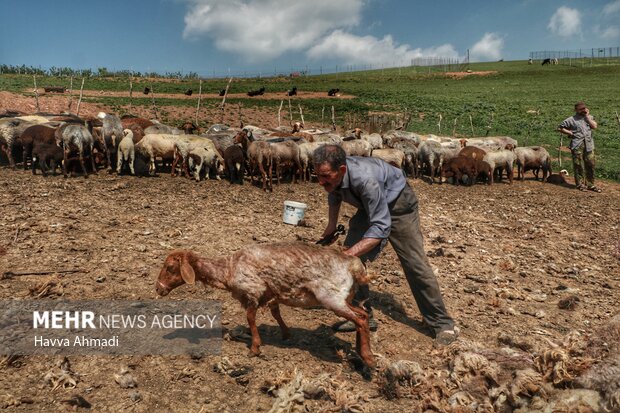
(254, 353)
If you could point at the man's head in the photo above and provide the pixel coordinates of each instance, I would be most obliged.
(330, 166)
(581, 108)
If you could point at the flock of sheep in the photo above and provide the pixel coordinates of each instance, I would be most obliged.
(134, 144)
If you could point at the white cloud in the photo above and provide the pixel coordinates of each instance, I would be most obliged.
(565, 22)
(487, 48)
(611, 8)
(352, 49)
(261, 30)
(611, 33)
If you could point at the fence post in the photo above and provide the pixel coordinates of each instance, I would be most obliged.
(36, 94)
(198, 104)
(80, 99)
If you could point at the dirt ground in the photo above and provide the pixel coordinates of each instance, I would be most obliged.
(506, 257)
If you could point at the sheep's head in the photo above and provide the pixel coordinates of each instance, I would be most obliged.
(176, 271)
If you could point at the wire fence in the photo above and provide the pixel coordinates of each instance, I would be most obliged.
(430, 64)
(581, 57)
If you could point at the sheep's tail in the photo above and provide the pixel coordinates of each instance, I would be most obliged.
(360, 275)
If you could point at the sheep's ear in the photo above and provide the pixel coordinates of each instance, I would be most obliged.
(187, 272)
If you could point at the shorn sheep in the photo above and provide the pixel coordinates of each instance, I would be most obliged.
(533, 158)
(76, 137)
(294, 274)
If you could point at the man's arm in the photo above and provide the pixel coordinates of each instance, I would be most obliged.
(565, 131)
(590, 120)
(332, 219)
(363, 246)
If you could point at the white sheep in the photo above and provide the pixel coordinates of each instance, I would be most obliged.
(394, 157)
(503, 159)
(534, 158)
(375, 140)
(200, 156)
(306, 152)
(357, 147)
(154, 145)
(126, 152)
(431, 155)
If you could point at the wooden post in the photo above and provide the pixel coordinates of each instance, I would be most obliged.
(439, 124)
(80, 99)
(333, 118)
(224, 101)
(153, 106)
(70, 98)
(471, 123)
(454, 127)
(489, 126)
(290, 112)
(323, 116)
(240, 114)
(280, 110)
(36, 92)
(560, 149)
(199, 99)
(618, 118)
(301, 115)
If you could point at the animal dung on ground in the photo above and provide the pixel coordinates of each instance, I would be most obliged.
(124, 379)
(568, 303)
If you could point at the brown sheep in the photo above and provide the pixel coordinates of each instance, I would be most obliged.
(459, 166)
(294, 274)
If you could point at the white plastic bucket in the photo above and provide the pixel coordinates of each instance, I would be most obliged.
(293, 212)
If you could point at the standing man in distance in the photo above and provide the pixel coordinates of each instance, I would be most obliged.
(387, 209)
(579, 128)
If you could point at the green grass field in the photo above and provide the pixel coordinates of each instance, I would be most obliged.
(498, 103)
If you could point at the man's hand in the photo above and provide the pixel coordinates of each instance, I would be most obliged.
(330, 237)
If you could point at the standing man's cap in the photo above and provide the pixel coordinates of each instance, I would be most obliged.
(580, 105)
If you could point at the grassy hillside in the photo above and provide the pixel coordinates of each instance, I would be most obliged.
(497, 103)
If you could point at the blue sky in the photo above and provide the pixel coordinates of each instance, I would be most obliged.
(264, 36)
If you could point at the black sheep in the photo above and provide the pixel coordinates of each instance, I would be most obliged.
(44, 153)
(234, 163)
(332, 92)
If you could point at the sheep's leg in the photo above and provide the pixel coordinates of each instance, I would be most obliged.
(275, 312)
(107, 153)
(25, 156)
(8, 149)
(34, 166)
(53, 167)
(64, 162)
(270, 170)
(255, 347)
(132, 158)
(359, 317)
(175, 160)
(42, 165)
(119, 162)
(82, 163)
(92, 160)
